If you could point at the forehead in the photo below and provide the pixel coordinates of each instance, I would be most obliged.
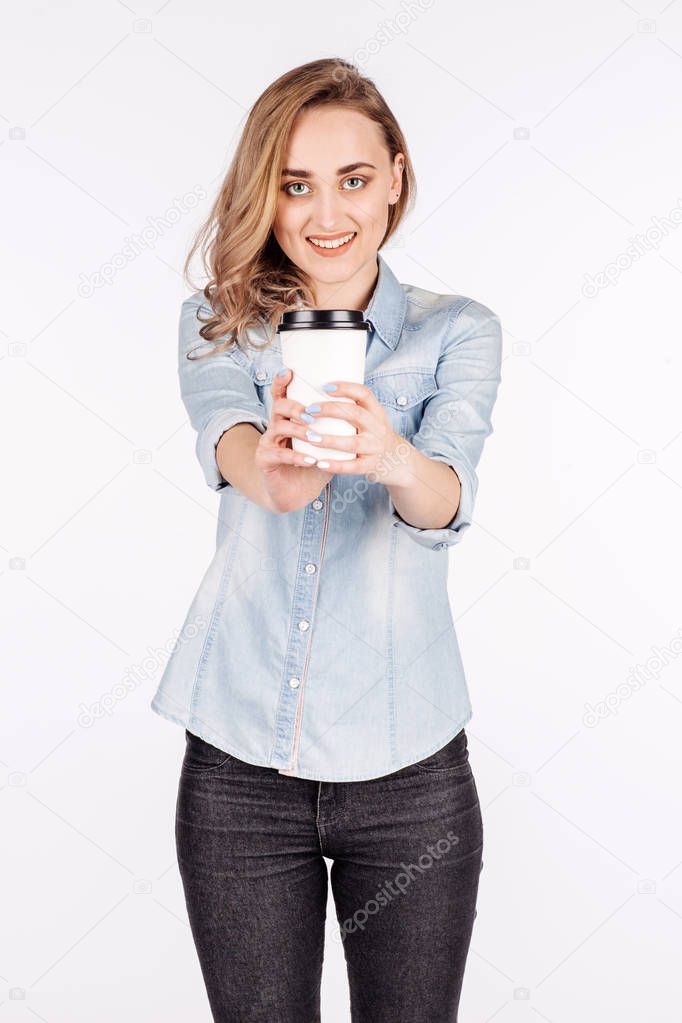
(325, 138)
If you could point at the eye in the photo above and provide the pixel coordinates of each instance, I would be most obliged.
(302, 184)
(293, 184)
(355, 178)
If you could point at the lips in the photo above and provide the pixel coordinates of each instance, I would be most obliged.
(337, 250)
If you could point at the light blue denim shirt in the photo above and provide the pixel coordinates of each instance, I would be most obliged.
(321, 642)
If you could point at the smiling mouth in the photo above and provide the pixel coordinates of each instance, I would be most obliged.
(332, 246)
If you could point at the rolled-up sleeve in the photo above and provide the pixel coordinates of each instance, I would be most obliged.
(217, 392)
(457, 418)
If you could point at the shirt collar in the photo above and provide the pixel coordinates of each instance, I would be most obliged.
(386, 310)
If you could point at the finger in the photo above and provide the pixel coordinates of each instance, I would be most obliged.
(279, 456)
(328, 440)
(287, 408)
(358, 466)
(358, 392)
(348, 410)
(281, 405)
(280, 382)
(280, 427)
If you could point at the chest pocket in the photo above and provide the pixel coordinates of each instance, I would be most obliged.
(403, 393)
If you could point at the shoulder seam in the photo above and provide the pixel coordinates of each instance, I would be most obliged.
(457, 310)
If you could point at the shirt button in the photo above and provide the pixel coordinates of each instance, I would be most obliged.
(401, 399)
(310, 568)
(261, 374)
(303, 625)
(439, 546)
(317, 504)
(294, 682)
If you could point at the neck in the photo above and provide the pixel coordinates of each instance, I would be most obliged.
(354, 293)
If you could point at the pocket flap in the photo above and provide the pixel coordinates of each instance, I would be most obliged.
(403, 389)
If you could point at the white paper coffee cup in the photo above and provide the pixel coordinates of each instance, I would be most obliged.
(320, 346)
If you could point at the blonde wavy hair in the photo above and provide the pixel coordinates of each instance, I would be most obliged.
(251, 280)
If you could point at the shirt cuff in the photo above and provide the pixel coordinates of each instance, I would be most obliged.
(208, 437)
(446, 536)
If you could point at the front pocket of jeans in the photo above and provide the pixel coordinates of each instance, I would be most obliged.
(202, 756)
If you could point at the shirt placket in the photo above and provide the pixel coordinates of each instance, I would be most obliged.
(290, 715)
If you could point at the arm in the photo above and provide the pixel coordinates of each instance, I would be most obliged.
(456, 422)
(428, 497)
(236, 444)
(235, 457)
(273, 476)
(217, 392)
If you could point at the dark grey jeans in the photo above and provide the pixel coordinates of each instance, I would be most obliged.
(407, 855)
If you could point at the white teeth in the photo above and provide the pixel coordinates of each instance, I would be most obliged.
(333, 244)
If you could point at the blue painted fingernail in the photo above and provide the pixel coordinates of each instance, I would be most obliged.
(312, 408)
(311, 435)
(306, 418)
(283, 372)
(328, 387)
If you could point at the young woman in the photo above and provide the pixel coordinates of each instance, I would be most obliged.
(317, 675)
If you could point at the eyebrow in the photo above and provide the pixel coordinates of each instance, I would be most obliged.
(292, 172)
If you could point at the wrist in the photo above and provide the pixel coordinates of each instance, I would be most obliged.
(399, 465)
(265, 499)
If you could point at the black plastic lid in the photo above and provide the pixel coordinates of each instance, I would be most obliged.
(323, 319)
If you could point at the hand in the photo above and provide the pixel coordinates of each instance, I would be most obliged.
(378, 448)
(290, 481)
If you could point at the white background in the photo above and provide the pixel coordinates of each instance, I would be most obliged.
(545, 137)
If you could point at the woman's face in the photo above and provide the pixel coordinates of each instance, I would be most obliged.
(339, 180)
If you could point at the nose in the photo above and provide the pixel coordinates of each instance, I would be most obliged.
(329, 210)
